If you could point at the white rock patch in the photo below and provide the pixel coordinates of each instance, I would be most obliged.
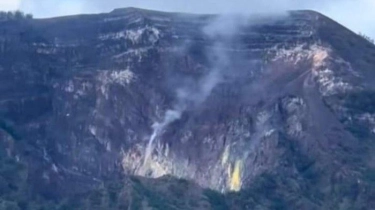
(120, 77)
(369, 119)
(123, 77)
(134, 35)
(329, 83)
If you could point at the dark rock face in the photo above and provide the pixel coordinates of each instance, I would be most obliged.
(284, 98)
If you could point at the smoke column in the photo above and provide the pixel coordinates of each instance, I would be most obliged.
(169, 117)
(221, 32)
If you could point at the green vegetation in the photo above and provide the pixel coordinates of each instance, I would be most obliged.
(217, 200)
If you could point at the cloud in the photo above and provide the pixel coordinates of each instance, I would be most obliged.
(357, 15)
(6, 5)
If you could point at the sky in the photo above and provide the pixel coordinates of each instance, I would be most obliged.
(358, 15)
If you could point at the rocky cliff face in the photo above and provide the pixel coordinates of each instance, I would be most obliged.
(221, 101)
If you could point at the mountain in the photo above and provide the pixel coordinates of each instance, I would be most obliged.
(139, 109)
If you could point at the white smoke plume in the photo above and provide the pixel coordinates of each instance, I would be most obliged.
(221, 31)
(169, 117)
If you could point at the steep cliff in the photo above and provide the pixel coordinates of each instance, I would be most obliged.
(271, 110)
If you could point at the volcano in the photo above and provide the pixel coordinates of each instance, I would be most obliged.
(140, 109)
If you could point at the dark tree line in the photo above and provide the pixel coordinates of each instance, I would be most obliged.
(14, 15)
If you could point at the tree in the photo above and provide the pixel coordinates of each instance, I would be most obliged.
(367, 37)
(14, 15)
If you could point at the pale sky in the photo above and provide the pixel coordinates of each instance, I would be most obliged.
(358, 15)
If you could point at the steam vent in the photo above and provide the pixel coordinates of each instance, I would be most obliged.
(138, 109)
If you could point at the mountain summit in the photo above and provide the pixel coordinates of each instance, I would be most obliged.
(139, 109)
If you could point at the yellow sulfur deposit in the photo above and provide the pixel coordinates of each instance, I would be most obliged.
(235, 177)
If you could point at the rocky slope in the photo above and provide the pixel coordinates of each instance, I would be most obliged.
(275, 111)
